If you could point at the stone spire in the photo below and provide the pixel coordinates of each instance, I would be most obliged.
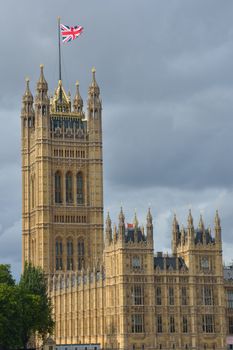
(190, 228)
(78, 101)
(217, 228)
(121, 225)
(94, 93)
(149, 227)
(108, 229)
(175, 234)
(135, 225)
(201, 225)
(42, 100)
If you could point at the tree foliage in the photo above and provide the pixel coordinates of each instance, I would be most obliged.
(5, 275)
(25, 308)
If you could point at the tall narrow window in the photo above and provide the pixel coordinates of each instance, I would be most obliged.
(230, 299)
(69, 254)
(230, 324)
(58, 254)
(207, 295)
(81, 253)
(137, 323)
(185, 324)
(208, 323)
(158, 296)
(58, 189)
(183, 296)
(80, 192)
(159, 324)
(172, 324)
(137, 295)
(171, 295)
(69, 188)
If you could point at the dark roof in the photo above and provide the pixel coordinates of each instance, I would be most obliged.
(169, 262)
(129, 235)
(199, 236)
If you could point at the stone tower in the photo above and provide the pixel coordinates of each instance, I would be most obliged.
(62, 176)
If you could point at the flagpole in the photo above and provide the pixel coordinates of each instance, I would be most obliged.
(59, 45)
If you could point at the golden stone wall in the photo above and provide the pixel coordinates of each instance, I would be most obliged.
(116, 293)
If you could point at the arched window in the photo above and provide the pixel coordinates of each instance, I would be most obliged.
(58, 187)
(81, 253)
(80, 192)
(69, 188)
(58, 254)
(69, 254)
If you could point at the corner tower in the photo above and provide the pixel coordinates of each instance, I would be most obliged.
(62, 175)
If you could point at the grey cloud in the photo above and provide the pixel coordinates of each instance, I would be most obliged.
(165, 70)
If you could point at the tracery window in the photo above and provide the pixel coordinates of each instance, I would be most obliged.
(58, 187)
(137, 295)
(80, 190)
(69, 187)
(59, 250)
(137, 323)
(207, 295)
(208, 323)
(81, 253)
(69, 254)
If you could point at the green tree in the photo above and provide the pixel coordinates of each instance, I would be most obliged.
(25, 309)
(33, 285)
(5, 275)
(9, 317)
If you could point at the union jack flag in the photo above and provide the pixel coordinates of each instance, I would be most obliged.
(70, 33)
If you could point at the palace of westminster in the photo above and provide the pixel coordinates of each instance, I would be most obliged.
(107, 285)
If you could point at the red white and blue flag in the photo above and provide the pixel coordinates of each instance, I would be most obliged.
(70, 33)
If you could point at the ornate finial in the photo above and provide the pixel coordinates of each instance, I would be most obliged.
(190, 219)
(93, 70)
(201, 224)
(121, 217)
(27, 80)
(135, 221)
(149, 217)
(41, 66)
(217, 220)
(77, 83)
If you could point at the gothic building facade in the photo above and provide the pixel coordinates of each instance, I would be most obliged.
(110, 288)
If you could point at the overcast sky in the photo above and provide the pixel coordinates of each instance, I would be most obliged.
(165, 69)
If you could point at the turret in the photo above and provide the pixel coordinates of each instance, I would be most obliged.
(78, 101)
(27, 111)
(42, 90)
(175, 234)
(217, 228)
(149, 227)
(94, 107)
(108, 230)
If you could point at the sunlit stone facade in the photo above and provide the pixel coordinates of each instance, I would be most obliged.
(110, 288)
